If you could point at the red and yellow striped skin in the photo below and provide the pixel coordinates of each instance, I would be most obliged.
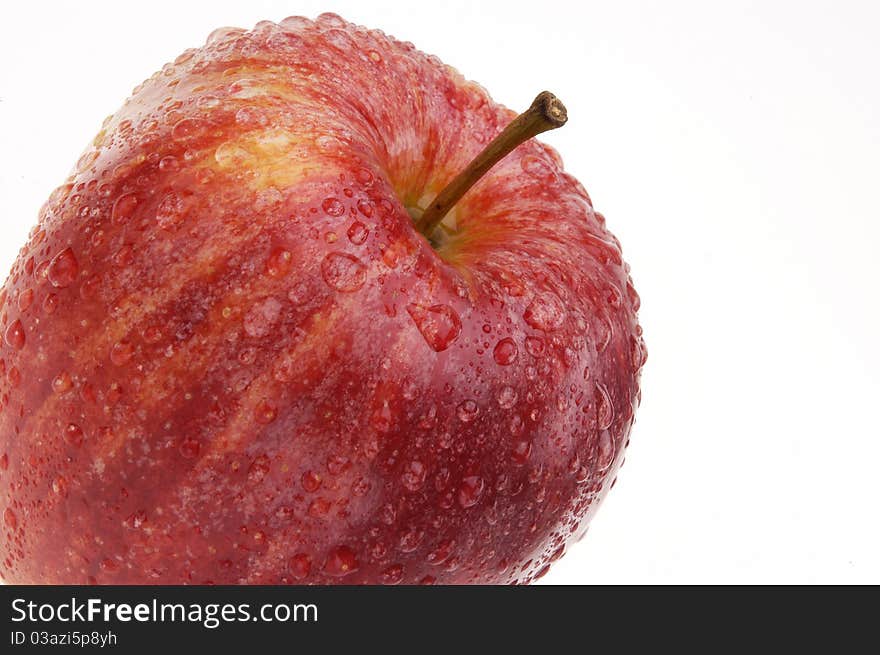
(228, 357)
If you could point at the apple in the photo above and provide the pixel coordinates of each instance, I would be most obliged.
(285, 323)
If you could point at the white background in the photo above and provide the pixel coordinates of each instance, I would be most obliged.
(736, 153)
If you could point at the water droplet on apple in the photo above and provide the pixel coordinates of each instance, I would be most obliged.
(300, 566)
(64, 269)
(265, 412)
(73, 435)
(442, 552)
(605, 407)
(330, 20)
(505, 352)
(10, 519)
(471, 491)
(507, 397)
(340, 39)
(121, 353)
(535, 346)
(393, 575)
(319, 507)
(15, 335)
(364, 176)
(62, 383)
(169, 164)
(439, 325)
(546, 312)
(343, 272)
(25, 300)
(341, 562)
(231, 156)
(169, 213)
(414, 476)
(604, 451)
(310, 481)
(123, 208)
(279, 263)
(521, 451)
(358, 233)
(188, 128)
(604, 333)
(189, 448)
(333, 207)
(467, 411)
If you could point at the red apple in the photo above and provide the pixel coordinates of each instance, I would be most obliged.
(230, 356)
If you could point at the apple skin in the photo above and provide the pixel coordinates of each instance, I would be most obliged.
(228, 357)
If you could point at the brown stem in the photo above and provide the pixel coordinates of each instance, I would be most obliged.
(546, 113)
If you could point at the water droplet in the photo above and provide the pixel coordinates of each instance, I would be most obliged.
(604, 451)
(358, 233)
(259, 469)
(535, 346)
(122, 353)
(414, 476)
(15, 335)
(546, 312)
(604, 332)
(300, 566)
(311, 481)
(467, 411)
(25, 300)
(521, 452)
(471, 491)
(411, 539)
(188, 128)
(169, 164)
(439, 325)
(265, 412)
(332, 207)
(251, 116)
(63, 270)
(262, 317)
(50, 304)
(279, 263)
(364, 176)
(319, 507)
(169, 213)
(343, 272)
(152, 335)
(442, 552)
(505, 352)
(507, 397)
(341, 562)
(189, 448)
(393, 575)
(231, 156)
(73, 435)
(62, 383)
(605, 407)
(10, 519)
(59, 486)
(365, 207)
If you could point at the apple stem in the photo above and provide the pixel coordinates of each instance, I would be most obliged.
(546, 113)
